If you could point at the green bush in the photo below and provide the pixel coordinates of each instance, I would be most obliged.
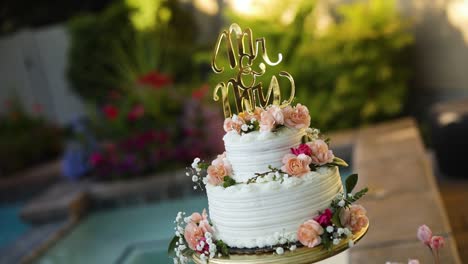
(26, 140)
(351, 73)
(108, 53)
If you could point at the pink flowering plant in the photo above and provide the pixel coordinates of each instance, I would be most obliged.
(195, 234)
(337, 223)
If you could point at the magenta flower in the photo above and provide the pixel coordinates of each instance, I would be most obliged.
(324, 219)
(302, 149)
(424, 234)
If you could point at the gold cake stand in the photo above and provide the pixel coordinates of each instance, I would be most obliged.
(302, 255)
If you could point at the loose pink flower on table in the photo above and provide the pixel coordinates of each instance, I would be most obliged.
(233, 124)
(302, 149)
(437, 242)
(219, 168)
(296, 165)
(193, 234)
(321, 155)
(309, 233)
(424, 234)
(354, 218)
(297, 117)
(324, 219)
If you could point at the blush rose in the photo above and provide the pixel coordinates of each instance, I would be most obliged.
(233, 123)
(193, 234)
(296, 165)
(297, 117)
(309, 233)
(320, 153)
(219, 168)
(354, 217)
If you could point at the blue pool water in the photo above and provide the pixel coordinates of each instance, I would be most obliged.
(11, 226)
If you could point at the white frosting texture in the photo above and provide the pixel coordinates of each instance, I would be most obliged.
(266, 214)
(253, 152)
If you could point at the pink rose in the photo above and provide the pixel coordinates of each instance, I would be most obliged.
(424, 234)
(296, 165)
(302, 149)
(354, 218)
(297, 117)
(205, 223)
(193, 234)
(196, 218)
(267, 122)
(219, 168)
(324, 219)
(309, 233)
(321, 155)
(235, 123)
(413, 261)
(437, 242)
(277, 114)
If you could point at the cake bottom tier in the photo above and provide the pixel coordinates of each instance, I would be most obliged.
(267, 214)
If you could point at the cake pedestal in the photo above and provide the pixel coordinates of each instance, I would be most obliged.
(302, 255)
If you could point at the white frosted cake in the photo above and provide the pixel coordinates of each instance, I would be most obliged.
(259, 214)
(277, 186)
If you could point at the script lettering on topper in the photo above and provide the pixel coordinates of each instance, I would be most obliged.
(247, 95)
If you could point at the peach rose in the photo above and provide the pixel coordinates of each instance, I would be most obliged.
(297, 117)
(321, 155)
(205, 223)
(233, 123)
(296, 165)
(309, 233)
(277, 114)
(267, 122)
(249, 116)
(193, 234)
(219, 168)
(196, 217)
(354, 218)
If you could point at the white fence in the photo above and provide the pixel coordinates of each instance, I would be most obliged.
(32, 68)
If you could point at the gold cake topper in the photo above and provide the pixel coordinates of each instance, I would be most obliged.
(247, 96)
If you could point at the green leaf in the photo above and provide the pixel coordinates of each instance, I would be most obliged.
(222, 247)
(336, 218)
(326, 241)
(172, 246)
(351, 182)
(339, 162)
(228, 181)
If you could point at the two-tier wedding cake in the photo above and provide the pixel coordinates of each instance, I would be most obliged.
(277, 186)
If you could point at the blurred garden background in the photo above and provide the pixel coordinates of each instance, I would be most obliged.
(110, 93)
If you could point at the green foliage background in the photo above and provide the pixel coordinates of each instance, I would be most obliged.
(354, 72)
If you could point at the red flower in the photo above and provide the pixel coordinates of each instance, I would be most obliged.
(324, 219)
(302, 149)
(155, 79)
(96, 159)
(110, 111)
(200, 92)
(136, 113)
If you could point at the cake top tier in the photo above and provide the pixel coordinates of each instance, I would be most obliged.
(242, 51)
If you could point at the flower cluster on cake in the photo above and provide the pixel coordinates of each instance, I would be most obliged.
(277, 186)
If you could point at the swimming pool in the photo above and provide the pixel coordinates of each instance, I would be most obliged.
(11, 225)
